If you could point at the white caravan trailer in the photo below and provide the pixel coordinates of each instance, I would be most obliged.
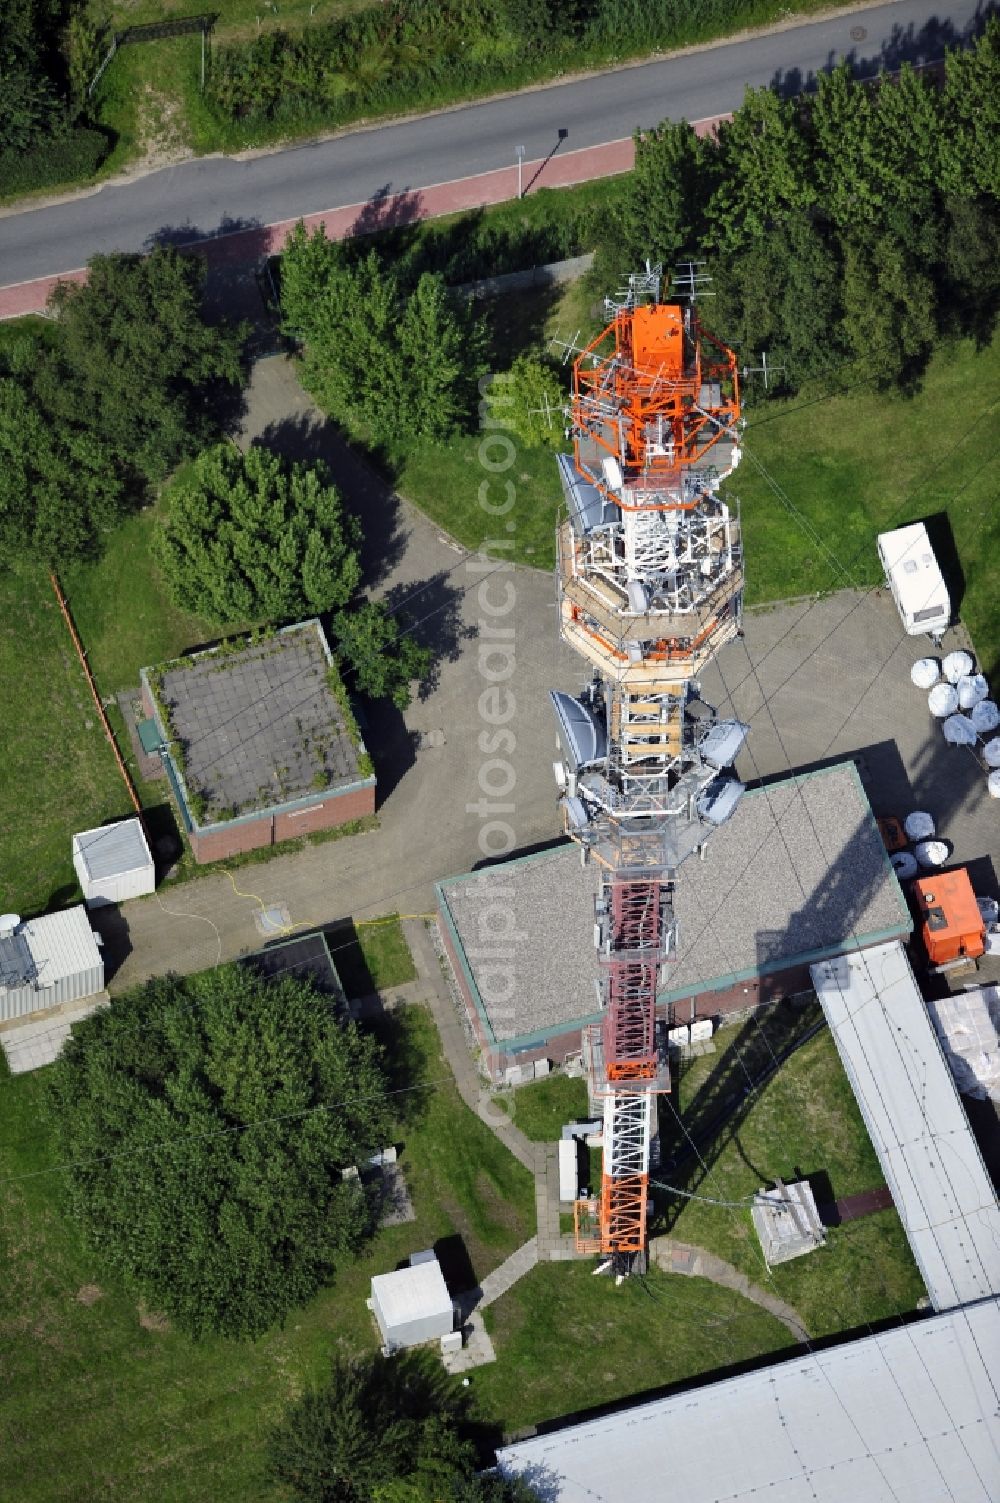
(914, 577)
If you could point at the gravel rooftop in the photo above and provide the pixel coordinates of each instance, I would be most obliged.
(259, 726)
(800, 867)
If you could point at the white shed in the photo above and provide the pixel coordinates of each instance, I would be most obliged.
(45, 962)
(113, 863)
(569, 1169)
(412, 1305)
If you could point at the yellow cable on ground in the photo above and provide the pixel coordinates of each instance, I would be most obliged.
(391, 918)
(254, 898)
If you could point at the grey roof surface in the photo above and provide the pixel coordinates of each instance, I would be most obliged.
(799, 869)
(306, 957)
(905, 1416)
(917, 1124)
(412, 1293)
(113, 849)
(260, 726)
(798, 872)
(61, 944)
(526, 932)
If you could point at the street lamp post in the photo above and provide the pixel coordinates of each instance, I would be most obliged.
(520, 164)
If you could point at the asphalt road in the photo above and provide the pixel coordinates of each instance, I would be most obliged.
(201, 197)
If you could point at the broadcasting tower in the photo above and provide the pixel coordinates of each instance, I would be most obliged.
(650, 581)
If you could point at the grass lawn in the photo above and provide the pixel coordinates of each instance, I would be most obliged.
(444, 480)
(567, 1341)
(59, 772)
(374, 957)
(803, 1123)
(859, 463)
(540, 1109)
(101, 1401)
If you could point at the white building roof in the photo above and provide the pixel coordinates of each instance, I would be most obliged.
(113, 849)
(917, 1124)
(908, 1415)
(61, 945)
(413, 1293)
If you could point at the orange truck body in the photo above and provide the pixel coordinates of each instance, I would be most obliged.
(952, 927)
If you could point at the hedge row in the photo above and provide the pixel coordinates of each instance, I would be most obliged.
(382, 58)
(68, 159)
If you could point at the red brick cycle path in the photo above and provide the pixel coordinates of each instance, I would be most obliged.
(240, 247)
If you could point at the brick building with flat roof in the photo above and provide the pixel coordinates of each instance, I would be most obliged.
(799, 874)
(258, 742)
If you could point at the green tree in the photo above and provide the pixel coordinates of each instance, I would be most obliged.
(385, 659)
(971, 290)
(388, 362)
(529, 400)
(889, 309)
(307, 262)
(137, 360)
(206, 1120)
(782, 295)
(352, 358)
(362, 1430)
(59, 488)
(662, 217)
(843, 128)
(764, 172)
(384, 1431)
(32, 109)
(254, 537)
(442, 355)
(904, 149)
(970, 145)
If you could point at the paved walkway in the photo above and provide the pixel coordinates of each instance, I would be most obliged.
(671, 1256)
(520, 1262)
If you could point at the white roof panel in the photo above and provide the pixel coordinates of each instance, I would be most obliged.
(61, 944)
(113, 849)
(907, 1415)
(412, 1293)
(916, 1122)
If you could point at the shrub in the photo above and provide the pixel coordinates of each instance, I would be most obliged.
(254, 537)
(67, 159)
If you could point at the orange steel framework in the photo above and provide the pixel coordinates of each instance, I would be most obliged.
(655, 417)
(647, 368)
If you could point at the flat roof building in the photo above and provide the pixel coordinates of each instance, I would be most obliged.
(799, 874)
(258, 741)
(47, 962)
(918, 1127)
(412, 1305)
(113, 863)
(910, 1413)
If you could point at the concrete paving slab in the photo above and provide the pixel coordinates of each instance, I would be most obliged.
(477, 1348)
(38, 1041)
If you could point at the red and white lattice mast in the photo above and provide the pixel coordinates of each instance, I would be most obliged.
(650, 581)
